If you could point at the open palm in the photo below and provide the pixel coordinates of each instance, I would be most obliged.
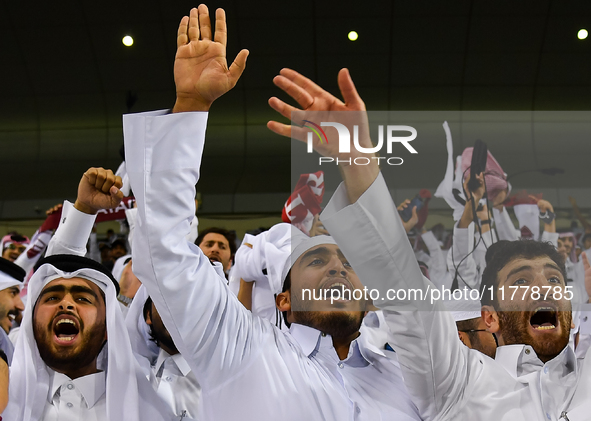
(201, 73)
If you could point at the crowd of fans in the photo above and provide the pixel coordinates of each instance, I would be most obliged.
(162, 321)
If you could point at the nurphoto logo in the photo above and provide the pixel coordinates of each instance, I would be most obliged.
(392, 137)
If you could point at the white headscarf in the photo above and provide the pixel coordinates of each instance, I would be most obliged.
(7, 280)
(262, 261)
(275, 251)
(11, 275)
(129, 396)
(464, 309)
(301, 243)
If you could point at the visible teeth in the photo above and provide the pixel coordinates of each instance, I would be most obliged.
(545, 327)
(337, 285)
(65, 321)
(11, 316)
(543, 309)
(66, 338)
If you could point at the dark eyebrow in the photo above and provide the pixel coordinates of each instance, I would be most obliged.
(15, 289)
(319, 250)
(546, 266)
(519, 269)
(552, 266)
(73, 289)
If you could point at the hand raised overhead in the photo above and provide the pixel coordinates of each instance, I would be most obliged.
(201, 73)
(350, 113)
(312, 97)
(98, 189)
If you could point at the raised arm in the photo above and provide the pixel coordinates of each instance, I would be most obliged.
(363, 219)
(312, 97)
(209, 326)
(98, 189)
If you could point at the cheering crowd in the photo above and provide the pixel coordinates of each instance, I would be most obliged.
(173, 323)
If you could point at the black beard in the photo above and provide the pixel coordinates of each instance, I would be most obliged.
(70, 360)
(338, 324)
(514, 324)
(162, 338)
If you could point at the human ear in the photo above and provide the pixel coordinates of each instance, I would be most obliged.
(491, 318)
(283, 301)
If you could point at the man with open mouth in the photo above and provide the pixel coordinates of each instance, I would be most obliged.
(322, 369)
(535, 374)
(73, 359)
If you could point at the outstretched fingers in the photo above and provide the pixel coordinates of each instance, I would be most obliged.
(281, 107)
(182, 36)
(193, 30)
(297, 92)
(303, 82)
(204, 22)
(279, 128)
(221, 29)
(286, 130)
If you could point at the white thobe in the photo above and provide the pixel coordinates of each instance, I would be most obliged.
(248, 368)
(447, 380)
(74, 400)
(438, 272)
(174, 382)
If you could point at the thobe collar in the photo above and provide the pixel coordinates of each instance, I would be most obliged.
(178, 360)
(312, 341)
(92, 386)
(520, 360)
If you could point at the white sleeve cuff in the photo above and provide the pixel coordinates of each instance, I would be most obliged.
(550, 237)
(73, 232)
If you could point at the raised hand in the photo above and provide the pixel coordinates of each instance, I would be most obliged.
(312, 97)
(98, 189)
(479, 192)
(414, 219)
(201, 72)
(543, 205)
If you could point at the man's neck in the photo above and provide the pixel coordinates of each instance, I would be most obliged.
(342, 345)
(78, 372)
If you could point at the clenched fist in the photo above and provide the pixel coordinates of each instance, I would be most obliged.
(98, 189)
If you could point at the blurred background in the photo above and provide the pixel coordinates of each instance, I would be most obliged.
(67, 78)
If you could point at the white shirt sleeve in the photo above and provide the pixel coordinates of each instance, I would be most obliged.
(437, 264)
(34, 250)
(550, 237)
(438, 370)
(209, 326)
(460, 258)
(504, 225)
(72, 234)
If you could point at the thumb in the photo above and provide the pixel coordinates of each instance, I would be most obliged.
(348, 90)
(116, 194)
(238, 66)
